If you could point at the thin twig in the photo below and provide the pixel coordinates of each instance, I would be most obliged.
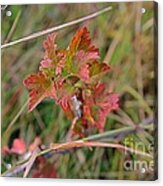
(70, 132)
(31, 162)
(55, 28)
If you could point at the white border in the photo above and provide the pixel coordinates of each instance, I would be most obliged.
(58, 1)
(62, 182)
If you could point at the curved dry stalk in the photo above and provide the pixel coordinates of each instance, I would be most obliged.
(77, 144)
(31, 162)
(87, 142)
(81, 143)
(55, 28)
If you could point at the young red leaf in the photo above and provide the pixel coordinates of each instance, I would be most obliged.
(54, 59)
(46, 63)
(64, 102)
(40, 86)
(99, 89)
(64, 94)
(85, 57)
(80, 51)
(98, 68)
(18, 146)
(97, 104)
(82, 41)
(49, 45)
(84, 72)
(44, 169)
(60, 66)
(107, 103)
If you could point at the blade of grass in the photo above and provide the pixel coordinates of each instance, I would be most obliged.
(143, 102)
(13, 27)
(15, 118)
(55, 28)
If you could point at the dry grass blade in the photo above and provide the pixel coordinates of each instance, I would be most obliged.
(141, 99)
(80, 143)
(55, 28)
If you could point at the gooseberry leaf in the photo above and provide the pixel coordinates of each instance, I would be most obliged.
(39, 86)
(82, 42)
(54, 58)
(98, 68)
(107, 103)
(80, 51)
(49, 46)
(72, 77)
(84, 72)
